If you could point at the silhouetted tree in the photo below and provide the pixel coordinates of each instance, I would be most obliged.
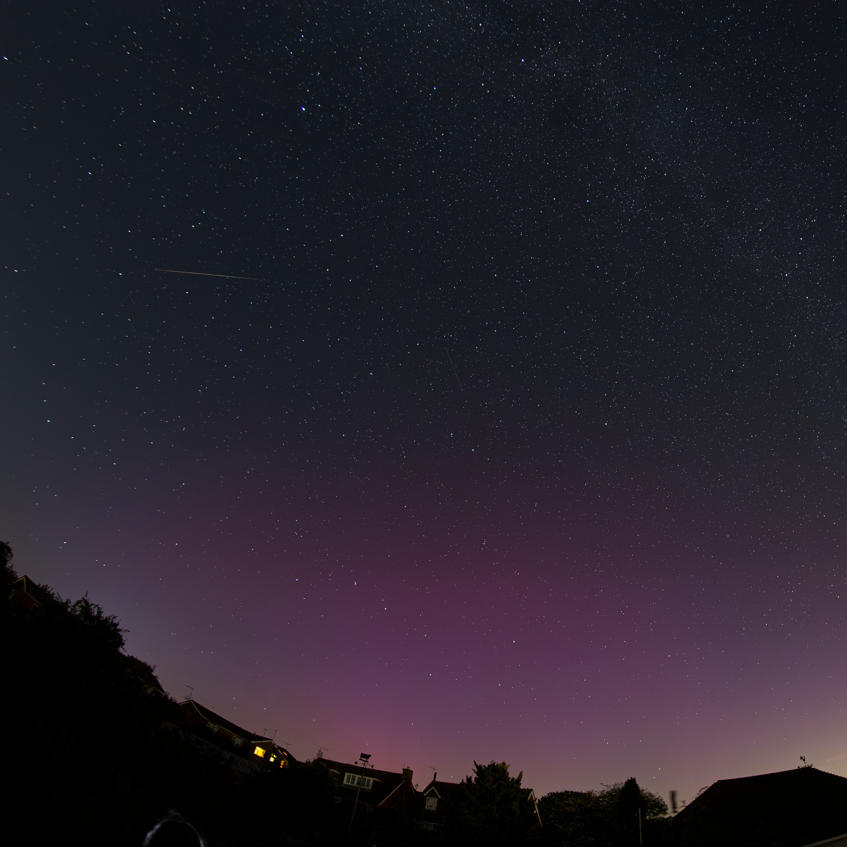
(490, 808)
(620, 804)
(652, 805)
(7, 574)
(569, 818)
(630, 814)
(108, 627)
(607, 818)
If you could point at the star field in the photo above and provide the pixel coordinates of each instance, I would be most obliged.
(525, 439)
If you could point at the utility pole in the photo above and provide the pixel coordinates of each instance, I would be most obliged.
(363, 760)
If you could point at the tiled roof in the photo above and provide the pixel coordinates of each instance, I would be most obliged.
(386, 783)
(24, 585)
(446, 789)
(223, 723)
(241, 764)
(250, 737)
(442, 789)
(789, 808)
(143, 672)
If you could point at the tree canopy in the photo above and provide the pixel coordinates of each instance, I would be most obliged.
(607, 817)
(490, 808)
(108, 627)
(5, 554)
(7, 574)
(568, 817)
(623, 798)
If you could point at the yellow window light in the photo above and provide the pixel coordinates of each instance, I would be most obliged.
(260, 752)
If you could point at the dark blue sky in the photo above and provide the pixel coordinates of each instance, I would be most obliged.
(526, 438)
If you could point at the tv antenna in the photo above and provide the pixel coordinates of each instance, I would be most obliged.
(321, 750)
(192, 691)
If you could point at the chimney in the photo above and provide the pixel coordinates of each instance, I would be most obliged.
(407, 773)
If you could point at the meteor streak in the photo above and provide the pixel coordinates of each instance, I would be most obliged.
(200, 273)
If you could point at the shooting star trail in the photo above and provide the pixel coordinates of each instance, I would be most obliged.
(454, 368)
(200, 273)
(124, 300)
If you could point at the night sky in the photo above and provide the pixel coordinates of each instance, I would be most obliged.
(523, 436)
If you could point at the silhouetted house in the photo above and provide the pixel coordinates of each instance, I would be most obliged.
(384, 801)
(246, 751)
(435, 800)
(26, 595)
(142, 674)
(432, 802)
(785, 809)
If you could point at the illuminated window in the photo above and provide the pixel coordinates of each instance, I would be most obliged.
(260, 752)
(356, 781)
(273, 757)
(431, 803)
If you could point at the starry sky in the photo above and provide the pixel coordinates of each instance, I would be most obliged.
(502, 413)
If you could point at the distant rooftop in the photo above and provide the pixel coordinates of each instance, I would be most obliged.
(788, 808)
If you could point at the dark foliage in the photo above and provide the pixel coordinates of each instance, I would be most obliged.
(106, 626)
(7, 574)
(607, 818)
(570, 818)
(490, 808)
(91, 735)
(302, 798)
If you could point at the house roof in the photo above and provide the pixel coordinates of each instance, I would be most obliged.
(789, 808)
(142, 672)
(241, 764)
(223, 723)
(440, 789)
(24, 585)
(445, 789)
(250, 737)
(387, 784)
